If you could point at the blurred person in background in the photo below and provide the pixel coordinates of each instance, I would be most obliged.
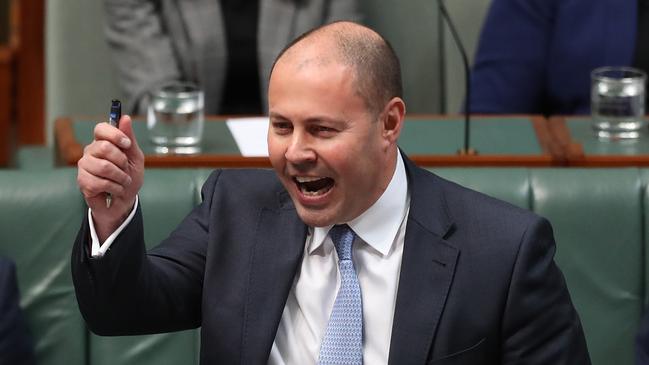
(16, 347)
(227, 47)
(536, 56)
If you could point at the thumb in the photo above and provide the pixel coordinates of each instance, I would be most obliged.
(126, 126)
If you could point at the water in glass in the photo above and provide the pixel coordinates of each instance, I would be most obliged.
(175, 121)
(618, 103)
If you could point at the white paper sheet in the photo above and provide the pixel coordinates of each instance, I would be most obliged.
(250, 135)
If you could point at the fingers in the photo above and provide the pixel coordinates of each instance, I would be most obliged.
(106, 132)
(92, 186)
(107, 168)
(112, 163)
(134, 153)
(104, 166)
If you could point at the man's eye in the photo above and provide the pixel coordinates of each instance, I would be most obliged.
(323, 129)
(281, 127)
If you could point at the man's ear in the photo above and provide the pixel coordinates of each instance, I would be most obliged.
(393, 117)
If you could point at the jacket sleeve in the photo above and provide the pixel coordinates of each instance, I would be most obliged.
(129, 291)
(541, 325)
(141, 48)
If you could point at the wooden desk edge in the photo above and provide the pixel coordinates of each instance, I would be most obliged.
(70, 150)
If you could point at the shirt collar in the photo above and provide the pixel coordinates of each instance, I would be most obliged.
(379, 225)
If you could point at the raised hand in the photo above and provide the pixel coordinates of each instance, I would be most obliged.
(113, 163)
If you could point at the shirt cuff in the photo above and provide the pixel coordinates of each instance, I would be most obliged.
(99, 249)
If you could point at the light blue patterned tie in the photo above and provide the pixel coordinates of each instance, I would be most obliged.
(343, 340)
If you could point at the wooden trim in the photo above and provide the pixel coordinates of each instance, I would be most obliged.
(227, 161)
(30, 79)
(612, 161)
(6, 100)
(69, 150)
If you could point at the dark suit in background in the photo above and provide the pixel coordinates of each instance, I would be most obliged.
(16, 347)
(535, 56)
(478, 283)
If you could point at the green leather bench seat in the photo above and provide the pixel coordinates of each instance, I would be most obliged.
(39, 215)
(598, 216)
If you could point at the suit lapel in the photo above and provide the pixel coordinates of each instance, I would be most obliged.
(206, 51)
(427, 270)
(279, 245)
(277, 20)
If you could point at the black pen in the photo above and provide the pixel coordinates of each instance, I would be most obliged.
(113, 119)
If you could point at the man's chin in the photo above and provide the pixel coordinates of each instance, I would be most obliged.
(316, 217)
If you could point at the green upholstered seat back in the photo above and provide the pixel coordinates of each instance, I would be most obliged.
(597, 214)
(40, 213)
(597, 220)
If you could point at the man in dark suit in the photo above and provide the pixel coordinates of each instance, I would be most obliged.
(16, 345)
(415, 269)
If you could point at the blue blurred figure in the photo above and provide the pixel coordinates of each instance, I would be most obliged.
(16, 346)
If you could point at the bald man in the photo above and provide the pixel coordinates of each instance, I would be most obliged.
(415, 270)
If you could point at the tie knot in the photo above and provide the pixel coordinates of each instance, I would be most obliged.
(342, 237)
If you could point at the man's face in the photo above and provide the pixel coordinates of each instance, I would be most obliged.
(326, 147)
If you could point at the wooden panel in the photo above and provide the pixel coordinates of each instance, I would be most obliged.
(6, 104)
(30, 78)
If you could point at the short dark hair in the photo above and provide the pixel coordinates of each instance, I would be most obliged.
(376, 65)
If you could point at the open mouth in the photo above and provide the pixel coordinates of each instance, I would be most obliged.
(314, 186)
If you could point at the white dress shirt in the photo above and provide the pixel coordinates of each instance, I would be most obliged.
(377, 253)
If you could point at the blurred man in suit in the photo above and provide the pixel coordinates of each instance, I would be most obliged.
(347, 253)
(16, 347)
(227, 47)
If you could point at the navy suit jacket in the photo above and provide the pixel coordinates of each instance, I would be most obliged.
(642, 342)
(16, 345)
(478, 284)
(535, 56)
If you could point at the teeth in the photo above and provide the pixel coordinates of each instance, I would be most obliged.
(312, 193)
(303, 179)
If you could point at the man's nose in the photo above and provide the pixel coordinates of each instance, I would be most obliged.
(300, 151)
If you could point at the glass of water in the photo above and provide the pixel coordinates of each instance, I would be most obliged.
(175, 118)
(618, 102)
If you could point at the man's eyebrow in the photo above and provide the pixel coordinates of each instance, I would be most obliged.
(275, 115)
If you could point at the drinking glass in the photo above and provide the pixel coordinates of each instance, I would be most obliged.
(175, 118)
(618, 102)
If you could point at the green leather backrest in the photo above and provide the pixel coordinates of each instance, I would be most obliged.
(510, 185)
(40, 213)
(597, 215)
(644, 176)
(597, 220)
